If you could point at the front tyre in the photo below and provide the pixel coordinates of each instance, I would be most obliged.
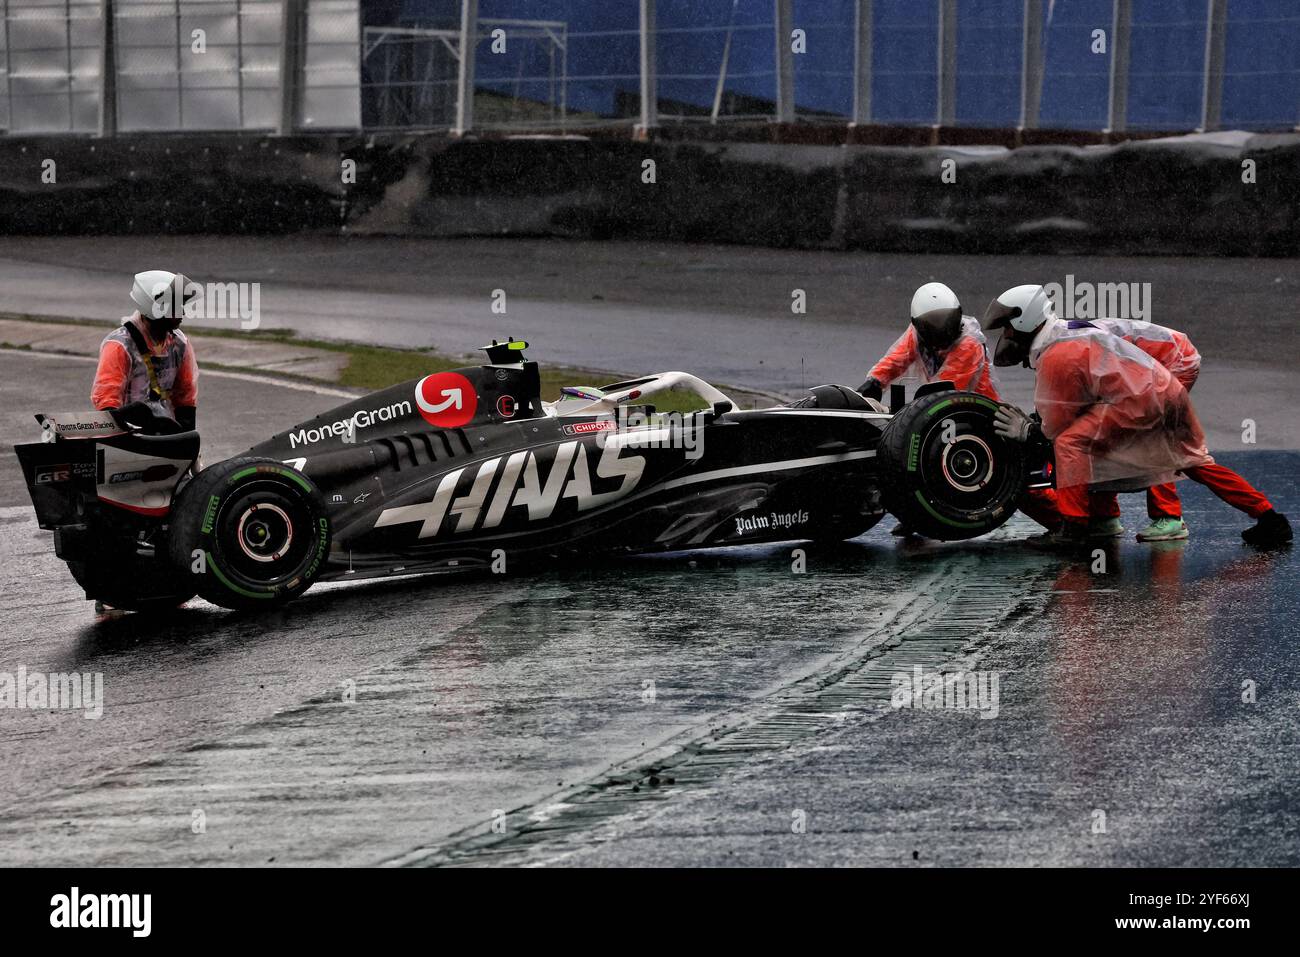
(945, 472)
(252, 533)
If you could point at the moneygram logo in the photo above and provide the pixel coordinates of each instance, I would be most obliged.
(346, 429)
(446, 399)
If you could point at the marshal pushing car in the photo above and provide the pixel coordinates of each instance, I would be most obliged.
(468, 468)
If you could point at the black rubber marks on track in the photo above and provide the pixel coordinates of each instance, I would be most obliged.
(946, 617)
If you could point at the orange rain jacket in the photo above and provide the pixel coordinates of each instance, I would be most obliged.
(1115, 416)
(1171, 348)
(122, 377)
(966, 364)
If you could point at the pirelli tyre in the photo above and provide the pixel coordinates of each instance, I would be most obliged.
(944, 472)
(252, 533)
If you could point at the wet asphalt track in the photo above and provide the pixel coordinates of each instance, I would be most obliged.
(770, 696)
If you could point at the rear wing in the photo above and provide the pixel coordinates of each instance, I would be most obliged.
(61, 475)
(77, 425)
(85, 460)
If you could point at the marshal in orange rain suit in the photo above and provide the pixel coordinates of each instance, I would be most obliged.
(1118, 417)
(966, 363)
(968, 366)
(1173, 350)
(134, 368)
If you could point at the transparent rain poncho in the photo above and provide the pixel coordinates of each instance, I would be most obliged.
(966, 364)
(1116, 417)
(1171, 348)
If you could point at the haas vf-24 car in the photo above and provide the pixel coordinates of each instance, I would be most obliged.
(462, 468)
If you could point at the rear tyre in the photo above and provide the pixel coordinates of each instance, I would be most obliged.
(944, 472)
(252, 533)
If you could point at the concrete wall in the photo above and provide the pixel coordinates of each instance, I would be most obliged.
(1182, 196)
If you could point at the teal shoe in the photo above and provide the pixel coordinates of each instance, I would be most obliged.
(1105, 528)
(1164, 530)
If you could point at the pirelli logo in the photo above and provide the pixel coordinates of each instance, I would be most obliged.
(210, 516)
(914, 452)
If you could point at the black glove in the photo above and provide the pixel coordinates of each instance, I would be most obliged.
(132, 415)
(187, 417)
(139, 415)
(872, 388)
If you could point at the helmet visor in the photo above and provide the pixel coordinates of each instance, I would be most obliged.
(999, 315)
(1013, 347)
(938, 329)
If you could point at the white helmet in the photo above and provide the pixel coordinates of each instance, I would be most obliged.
(936, 314)
(1019, 312)
(1023, 308)
(161, 295)
(932, 297)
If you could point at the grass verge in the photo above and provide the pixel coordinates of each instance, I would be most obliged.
(377, 367)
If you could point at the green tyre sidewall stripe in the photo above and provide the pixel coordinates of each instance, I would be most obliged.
(225, 588)
(221, 577)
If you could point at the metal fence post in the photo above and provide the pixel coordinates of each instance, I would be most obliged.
(945, 113)
(649, 80)
(784, 61)
(862, 63)
(107, 72)
(1121, 28)
(9, 66)
(1216, 28)
(465, 70)
(291, 12)
(1031, 65)
(720, 86)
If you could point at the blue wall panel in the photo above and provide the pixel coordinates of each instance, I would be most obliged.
(1262, 87)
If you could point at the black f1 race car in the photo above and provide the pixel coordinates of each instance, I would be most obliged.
(471, 468)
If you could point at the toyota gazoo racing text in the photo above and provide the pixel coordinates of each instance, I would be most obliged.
(463, 468)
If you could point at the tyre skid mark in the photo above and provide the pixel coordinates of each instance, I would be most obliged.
(950, 617)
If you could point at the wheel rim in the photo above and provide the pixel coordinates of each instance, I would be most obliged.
(969, 473)
(967, 463)
(264, 532)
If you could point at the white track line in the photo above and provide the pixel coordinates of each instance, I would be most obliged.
(215, 373)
